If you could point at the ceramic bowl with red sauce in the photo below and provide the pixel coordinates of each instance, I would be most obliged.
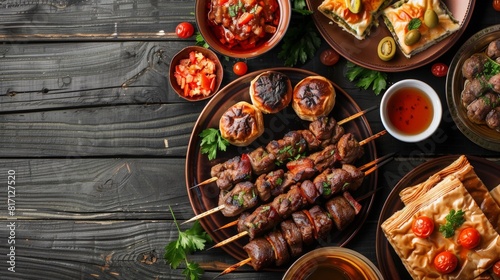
(195, 73)
(410, 110)
(242, 28)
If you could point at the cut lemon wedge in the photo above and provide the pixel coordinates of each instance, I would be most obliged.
(353, 5)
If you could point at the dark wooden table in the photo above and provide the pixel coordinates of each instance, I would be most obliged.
(97, 138)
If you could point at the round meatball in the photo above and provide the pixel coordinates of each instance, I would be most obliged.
(493, 50)
(473, 66)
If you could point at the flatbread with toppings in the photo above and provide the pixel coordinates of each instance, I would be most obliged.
(358, 24)
(404, 16)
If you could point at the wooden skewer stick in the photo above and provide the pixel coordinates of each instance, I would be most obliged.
(358, 114)
(234, 267)
(341, 122)
(373, 137)
(244, 233)
(206, 213)
(207, 181)
(220, 207)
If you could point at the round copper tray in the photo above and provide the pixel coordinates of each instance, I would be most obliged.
(364, 52)
(389, 262)
(482, 135)
(198, 166)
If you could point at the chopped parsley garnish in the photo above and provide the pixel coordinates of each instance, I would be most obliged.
(453, 220)
(414, 23)
(234, 9)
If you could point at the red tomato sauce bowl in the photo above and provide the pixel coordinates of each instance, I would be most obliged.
(242, 28)
(195, 73)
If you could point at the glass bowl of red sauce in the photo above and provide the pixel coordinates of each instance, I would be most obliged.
(411, 110)
(242, 28)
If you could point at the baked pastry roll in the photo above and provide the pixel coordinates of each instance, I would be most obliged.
(495, 194)
(241, 124)
(358, 24)
(463, 171)
(417, 254)
(271, 91)
(398, 15)
(313, 97)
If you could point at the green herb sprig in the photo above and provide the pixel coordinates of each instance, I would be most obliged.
(189, 241)
(200, 41)
(211, 142)
(453, 220)
(301, 41)
(366, 78)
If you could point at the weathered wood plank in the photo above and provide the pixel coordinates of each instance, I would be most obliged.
(148, 130)
(99, 189)
(95, 250)
(92, 20)
(52, 75)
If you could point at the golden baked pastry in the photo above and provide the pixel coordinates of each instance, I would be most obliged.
(398, 16)
(241, 124)
(417, 254)
(271, 91)
(358, 24)
(313, 97)
(463, 171)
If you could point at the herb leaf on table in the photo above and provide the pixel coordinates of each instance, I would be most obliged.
(299, 44)
(364, 78)
(189, 241)
(301, 41)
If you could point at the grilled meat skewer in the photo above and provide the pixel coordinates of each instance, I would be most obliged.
(294, 235)
(322, 132)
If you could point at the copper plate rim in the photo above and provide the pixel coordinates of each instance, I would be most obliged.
(479, 134)
(335, 37)
(193, 149)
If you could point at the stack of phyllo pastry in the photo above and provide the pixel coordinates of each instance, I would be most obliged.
(455, 189)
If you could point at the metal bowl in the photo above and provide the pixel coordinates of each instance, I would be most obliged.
(479, 134)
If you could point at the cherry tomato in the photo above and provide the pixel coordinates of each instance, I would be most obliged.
(439, 69)
(329, 57)
(496, 269)
(240, 68)
(422, 226)
(496, 5)
(469, 238)
(445, 262)
(184, 30)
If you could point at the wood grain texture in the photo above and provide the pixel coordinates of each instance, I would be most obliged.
(135, 130)
(52, 20)
(79, 74)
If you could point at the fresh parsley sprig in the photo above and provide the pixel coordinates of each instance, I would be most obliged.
(453, 220)
(211, 142)
(364, 78)
(189, 241)
(299, 44)
(200, 41)
(301, 41)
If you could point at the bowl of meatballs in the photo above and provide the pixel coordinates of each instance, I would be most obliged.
(473, 88)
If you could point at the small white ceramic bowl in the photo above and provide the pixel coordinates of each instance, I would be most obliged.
(403, 120)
